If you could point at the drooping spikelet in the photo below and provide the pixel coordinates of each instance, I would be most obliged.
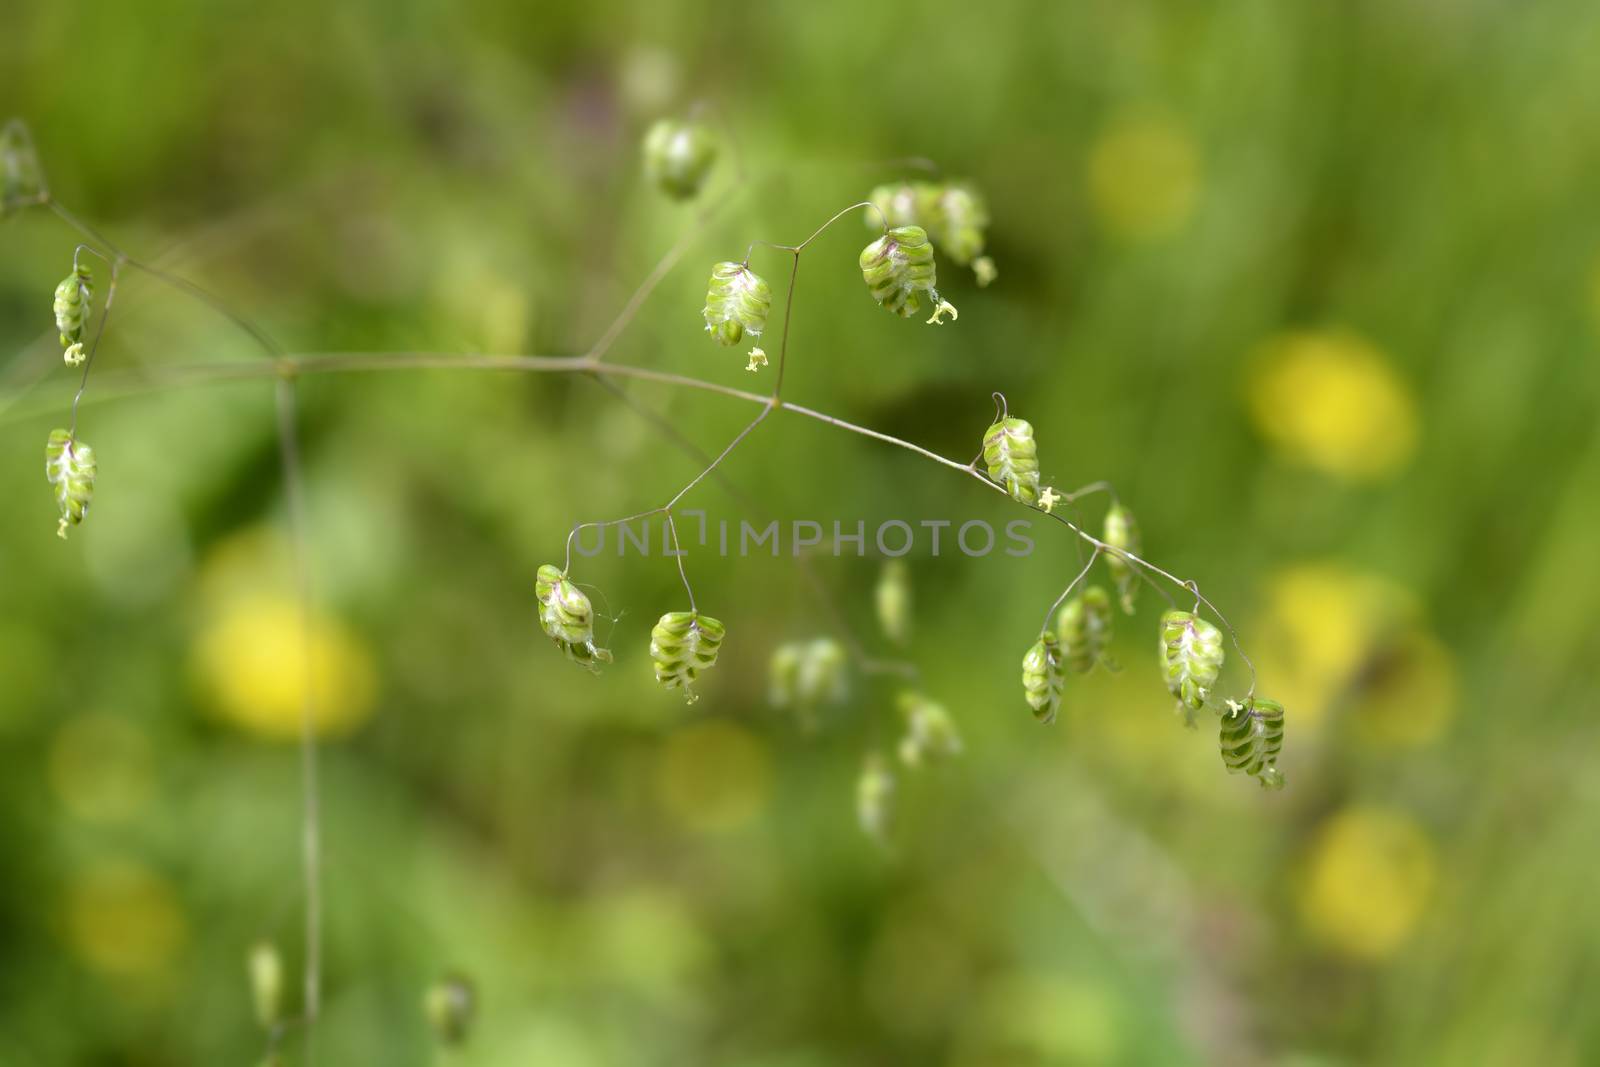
(903, 204)
(957, 222)
(900, 273)
(1122, 533)
(804, 675)
(264, 967)
(678, 156)
(1043, 678)
(1251, 737)
(1012, 457)
(69, 466)
(72, 306)
(21, 178)
(1191, 657)
(892, 598)
(1084, 626)
(953, 213)
(737, 303)
(568, 618)
(930, 732)
(683, 645)
(875, 799)
(451, 1005)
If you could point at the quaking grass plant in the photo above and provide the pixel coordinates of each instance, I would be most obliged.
(914, 222)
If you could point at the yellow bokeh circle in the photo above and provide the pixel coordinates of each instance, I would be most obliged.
(1366, 882)
(1332, 401)
(256, 659)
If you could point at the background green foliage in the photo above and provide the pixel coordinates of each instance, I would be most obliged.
(628, 881)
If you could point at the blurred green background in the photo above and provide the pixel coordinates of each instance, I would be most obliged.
(1317, 286)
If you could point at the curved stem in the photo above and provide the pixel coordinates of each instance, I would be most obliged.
(94, 345)
(1048, 615)
(573, 533)
(287, 366)
(678, 554)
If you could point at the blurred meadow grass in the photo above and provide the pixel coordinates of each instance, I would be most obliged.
(1316, 286)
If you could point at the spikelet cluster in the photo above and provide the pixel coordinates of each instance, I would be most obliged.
(892, 599)
(450, 1005)
(1251, 737)
(1122, 533)
(72, 312)
(1012, 457)
(1191, 657)
(737, 303)
(21, 179)
(954, 215)
(265, 969)
(684, 645)
(930, 734)
(1084, 627)
(1043, 678)
(900, 273)
(568, 618)
(69, 466)
(875, 799)
(804, 675)
(678, 157)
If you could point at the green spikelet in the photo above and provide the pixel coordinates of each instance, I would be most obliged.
(678, 157)
(899, 271)
(72, 306)
(1191, 657)
(682, 646)
(957, 222)
(1042, 678)
(736, 303)
(1122, 532)
(875, 799)
(1251, 737)
(265, 968)
(903, 204)
(450, 1006)
(1012, 457)
(21, 179)
(1084, 626)
(568, 618)
(70, 468)
(892, 598)
(930, 732)
(804, 675)
(954, 215)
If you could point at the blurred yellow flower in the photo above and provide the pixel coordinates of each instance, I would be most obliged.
(1366, 881)
(1331, 401)
(1144, 176)
(1407, 696)
(1330, 636)
(100, 767)
(124, 920)
(251, 660)
(713, 775)
(1320, 624)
